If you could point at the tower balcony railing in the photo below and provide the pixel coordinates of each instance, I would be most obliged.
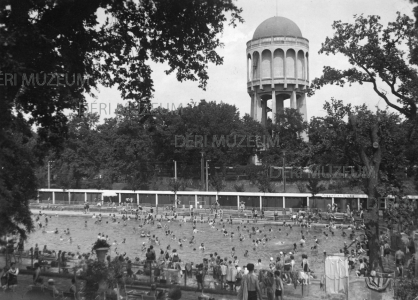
(277, 80)
(278, 40)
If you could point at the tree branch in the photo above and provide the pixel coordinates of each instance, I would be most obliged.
(383, 96)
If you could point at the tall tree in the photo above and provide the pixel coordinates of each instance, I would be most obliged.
(314, 185)
(57, 51)
(386, 58)
(378, 57)
(371, 142)
(217, 181)
(285, 139)
(213, 128)
(17, 177)
(78, 160)
(69, 39)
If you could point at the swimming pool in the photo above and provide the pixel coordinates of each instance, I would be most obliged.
(280, 239)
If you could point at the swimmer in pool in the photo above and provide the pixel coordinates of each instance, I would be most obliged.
(202, 247)
(61, 239)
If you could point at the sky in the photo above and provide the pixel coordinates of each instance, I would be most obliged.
(227, 83)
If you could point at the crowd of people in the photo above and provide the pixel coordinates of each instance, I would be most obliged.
(225, 271)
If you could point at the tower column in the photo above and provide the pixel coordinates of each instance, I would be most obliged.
(260, 69)
(280, 104)
(252, 71)
(273, 106)
(303, 111)
(285, 68)
(252, 105)
(263, 112)
(301, 103)
(272, 69)
(248, 70)
(293, 100)
(258, 113)
(296, 68)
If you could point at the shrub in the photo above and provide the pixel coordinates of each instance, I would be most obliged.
(239, 187)
(100, 244)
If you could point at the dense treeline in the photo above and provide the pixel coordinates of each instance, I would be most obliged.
(124, 150)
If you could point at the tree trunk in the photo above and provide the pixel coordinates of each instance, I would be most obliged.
(415, 240)
(372, 223)
(372, 165)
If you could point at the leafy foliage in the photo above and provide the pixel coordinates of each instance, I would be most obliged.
(123, 149)
(348, 136)
(407, 289)
(373, 143)
(239, 187)
(67, 44)
(217, 181)
(264, 183)
(314, 186)
(401, 214)
(17, 178)
(377, 57)
(287, 128)
(301, 186)
(98, 271)
(100, 243)
(385, 57)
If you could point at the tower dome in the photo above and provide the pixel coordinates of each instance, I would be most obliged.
(277, 26)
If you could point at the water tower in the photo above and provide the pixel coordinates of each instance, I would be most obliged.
(277, 68)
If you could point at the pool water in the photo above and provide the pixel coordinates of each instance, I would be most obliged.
(280, 239)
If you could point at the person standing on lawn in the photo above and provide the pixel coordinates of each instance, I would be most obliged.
(250, 287)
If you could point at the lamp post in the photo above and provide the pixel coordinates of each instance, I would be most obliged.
(175, 183)
(284, 172)
(202, 171)
(207, 175)
(49, 173)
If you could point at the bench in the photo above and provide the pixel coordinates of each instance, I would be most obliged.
(338, 217)
(247, 213)
(269, 214)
